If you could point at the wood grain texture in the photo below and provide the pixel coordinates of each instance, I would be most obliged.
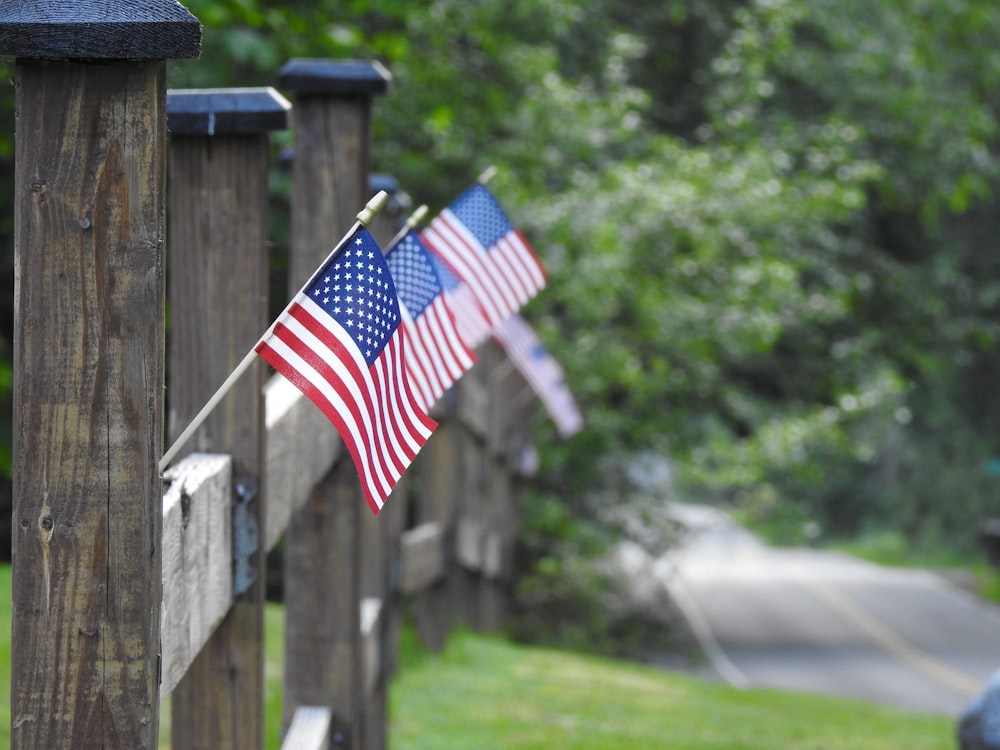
(302, 447)
(197, 560)
(440, 487)
(98, 30)
(218, 291)
(322, 604)
(88, 385)
(332, 142)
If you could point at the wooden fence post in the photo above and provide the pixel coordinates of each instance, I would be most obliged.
(219, 222)
(473, 416)
(332, 142)
(88, 365)
(380, 537)
(440, 489)
(502, 507)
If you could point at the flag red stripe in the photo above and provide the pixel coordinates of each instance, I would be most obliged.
(359, 456)
(444, 235)
(387, 448)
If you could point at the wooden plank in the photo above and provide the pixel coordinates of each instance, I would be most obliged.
(218, 283)
(302, 447)
(473, 405)
(88, 401)
(469, 544)
(371, 642)
(422, 557)
(197, 559)
(309, 730)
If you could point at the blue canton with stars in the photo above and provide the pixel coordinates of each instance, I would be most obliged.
(355, 288)
(482, 215)
(413, 273)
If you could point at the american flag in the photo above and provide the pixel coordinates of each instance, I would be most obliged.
(542, 372)
(469, 318)
(436, 355)
(340, 342)
(477, 241)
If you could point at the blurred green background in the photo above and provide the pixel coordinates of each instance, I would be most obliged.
(770, 228)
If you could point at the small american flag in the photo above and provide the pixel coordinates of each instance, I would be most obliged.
(474, 237)
(469, 318)
(436, 354)
(542, 372)
(340, 342)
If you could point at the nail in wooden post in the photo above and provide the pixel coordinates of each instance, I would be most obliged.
(88, 365)
(332, 142)
(219, 223)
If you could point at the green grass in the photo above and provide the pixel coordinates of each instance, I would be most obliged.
(484, 692)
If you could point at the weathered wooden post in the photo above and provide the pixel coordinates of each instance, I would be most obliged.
(88, 365)
(501, 509)
(440, 492)
(380, 535)
(332, 142)
(473, 413)
(219, 221)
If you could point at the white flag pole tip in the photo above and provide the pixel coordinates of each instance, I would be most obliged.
(416, 217)
(488, 174)
(376, 204)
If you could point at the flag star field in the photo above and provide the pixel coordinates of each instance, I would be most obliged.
(414, 275)
(482, 215)
(359, 295)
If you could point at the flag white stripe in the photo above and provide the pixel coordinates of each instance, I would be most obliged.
(543, 374)
(440, 329)
(414, 360)
(377, 480)
(460, 355)
(390, 449)
(419, 428)
(464, 253)
(499, 283)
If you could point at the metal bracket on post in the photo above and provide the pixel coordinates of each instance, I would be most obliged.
(246, 535)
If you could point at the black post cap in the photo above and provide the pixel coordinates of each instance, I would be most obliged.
(337, 77)
(230, 111)
(98, 30)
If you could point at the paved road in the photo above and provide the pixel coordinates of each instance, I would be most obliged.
(828, 623)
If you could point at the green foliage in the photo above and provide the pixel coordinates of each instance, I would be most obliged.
(768, 226)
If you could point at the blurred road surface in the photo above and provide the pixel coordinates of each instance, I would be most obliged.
(824, 622)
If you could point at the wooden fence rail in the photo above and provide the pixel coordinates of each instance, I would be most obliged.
(129, 587)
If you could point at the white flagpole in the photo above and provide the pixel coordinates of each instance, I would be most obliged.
(364, 218)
